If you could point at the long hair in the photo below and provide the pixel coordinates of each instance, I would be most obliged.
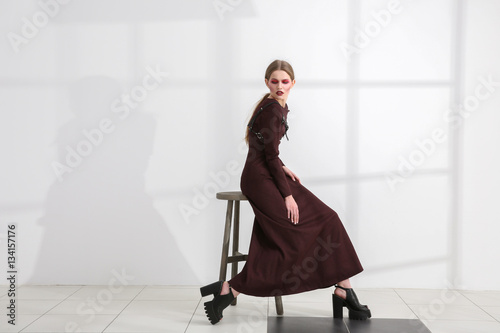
(276, 65)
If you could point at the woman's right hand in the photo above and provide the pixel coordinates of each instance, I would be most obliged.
(292, 209)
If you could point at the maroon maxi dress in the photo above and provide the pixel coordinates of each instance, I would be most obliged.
(284, 258)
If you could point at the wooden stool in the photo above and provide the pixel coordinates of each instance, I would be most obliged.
(236, 197)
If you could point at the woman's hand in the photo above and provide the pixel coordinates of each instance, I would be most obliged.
(292, 209)
(291, 174)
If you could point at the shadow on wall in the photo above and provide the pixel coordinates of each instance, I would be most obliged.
(98, 217)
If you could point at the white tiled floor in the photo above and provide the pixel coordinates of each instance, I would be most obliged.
(180, 309)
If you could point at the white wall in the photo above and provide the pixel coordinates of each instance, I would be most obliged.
(481, 162)
(141, 200)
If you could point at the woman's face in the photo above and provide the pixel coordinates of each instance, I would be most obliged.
(279, 85)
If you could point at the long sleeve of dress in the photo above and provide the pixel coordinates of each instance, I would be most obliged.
(271, 129)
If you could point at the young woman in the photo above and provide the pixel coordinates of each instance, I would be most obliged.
(298, 243)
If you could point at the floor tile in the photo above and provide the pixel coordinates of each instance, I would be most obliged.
(3, 290)
(375, 296)
(146, 323)
(387, 326)
(28, 306)
(45, 292)
(21, 322)
(450, 312)
(169, 294)
(181, 309)
(303, 309)
(330, 325)
(171, 309)
(392, 311)
(493, 311)
(483, 298)
(432, 296)
(69, 323)
(106, 293)
(253, 322)
(306, 324)
(320, 295)
(446, 326)
(84, 308)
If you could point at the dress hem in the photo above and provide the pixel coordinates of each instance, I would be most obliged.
(303, 290)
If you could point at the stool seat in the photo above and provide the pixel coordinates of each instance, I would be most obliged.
(232, 195)
(233, 200)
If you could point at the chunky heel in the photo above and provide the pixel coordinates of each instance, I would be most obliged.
(214, 308)
(338, 306)
(357, 311)
(214, 289)
(212, 315)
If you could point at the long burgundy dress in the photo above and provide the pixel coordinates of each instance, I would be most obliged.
(285, 258)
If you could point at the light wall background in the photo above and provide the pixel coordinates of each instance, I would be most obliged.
(142, 201)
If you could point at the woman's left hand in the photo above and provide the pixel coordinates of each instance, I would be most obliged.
(291, 174)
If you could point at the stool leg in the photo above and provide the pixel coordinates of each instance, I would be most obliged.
(225, 242)
(236, 239)
(279, 305)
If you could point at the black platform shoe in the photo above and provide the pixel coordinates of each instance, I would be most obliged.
(357, 311)
(214, 308)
